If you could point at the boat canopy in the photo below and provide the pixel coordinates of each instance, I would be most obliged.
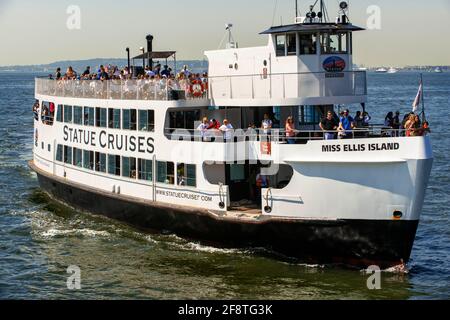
(313, 27)
(156, 55)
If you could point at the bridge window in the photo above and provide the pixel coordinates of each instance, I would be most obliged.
(89, 116)
(88, 160)
(78, 115)
(166, 172)
(67, 155)
(114, 165)
(308, 43)
(68, 114)
(77, 157)
(130, 119)
(281, 45)
(129, 167)
(147, 120)
(334, 43)
(100, 116)
(59, 153)
(145, 170)
(184, 119)
(114, 118)
(291, 44)
(186, 175)
(100, 162)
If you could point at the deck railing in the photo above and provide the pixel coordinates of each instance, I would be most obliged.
(278, 136)
(257, 86)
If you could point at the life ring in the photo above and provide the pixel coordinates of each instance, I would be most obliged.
(197, 90)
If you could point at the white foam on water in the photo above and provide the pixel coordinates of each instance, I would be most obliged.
(52, 233)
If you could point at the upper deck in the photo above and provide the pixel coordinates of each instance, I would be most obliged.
(234, 90)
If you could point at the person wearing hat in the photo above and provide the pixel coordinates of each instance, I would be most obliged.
(166, 71)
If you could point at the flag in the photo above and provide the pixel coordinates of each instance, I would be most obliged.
(416, 102)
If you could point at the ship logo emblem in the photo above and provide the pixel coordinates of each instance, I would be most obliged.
(334, 64)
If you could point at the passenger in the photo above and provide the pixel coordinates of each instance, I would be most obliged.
(86, 72)
(166, 71)
(359, 120)
(214, 125)
(58, 75)
(262, 182)
(266, 124)
(227, 130)
(290, 130)
(389, 120)
(396, 124)
(346, 126)
(70, 74)
(367, 119)
(410, 126)
(203, 128)
(329, 126)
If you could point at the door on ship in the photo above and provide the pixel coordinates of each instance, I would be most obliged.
(241, 179)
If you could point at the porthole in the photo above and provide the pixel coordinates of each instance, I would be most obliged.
(265, 63)
(398, 215)
(236, 66)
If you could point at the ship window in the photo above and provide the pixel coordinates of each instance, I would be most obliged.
(48, 113)
(59, 113)
(100, 162)
(59, 153)
(78, 115)
(130, 119)
(145, 170)
(166, 172)
(186, 175)
(309, 115)
(100, 116)
(308, 44)
(114, 118)
(89, 116)
(68, 114)
(291, 44)
(114, 165)
(129, 167)
(184, 119)
(67, 155)
(147, 120)
(88, 160)
(77, 157)
(281, 45)
(333, 43)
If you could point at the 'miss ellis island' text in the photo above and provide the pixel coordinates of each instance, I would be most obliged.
(371, 147)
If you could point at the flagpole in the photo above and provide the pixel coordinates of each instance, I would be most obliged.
(423, 99)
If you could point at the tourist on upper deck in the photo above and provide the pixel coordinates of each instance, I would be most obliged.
(329, 125)
(266, 124)
(185, 71)
(58, 74)
(70, 74)
(389, 120)
(411, 126)
(166, 71)
(346, 125)
(396, 124)
(290, 130)
(227, 130)
(203, 128)
(86, 72)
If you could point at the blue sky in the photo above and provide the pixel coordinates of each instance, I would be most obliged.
(32, 32)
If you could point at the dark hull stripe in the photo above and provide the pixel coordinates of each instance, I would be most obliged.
(358, 243)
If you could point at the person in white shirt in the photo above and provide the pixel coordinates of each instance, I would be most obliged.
(203, 128)
(267, 124)
(227, 130)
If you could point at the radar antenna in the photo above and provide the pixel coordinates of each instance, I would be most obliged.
(232, 44)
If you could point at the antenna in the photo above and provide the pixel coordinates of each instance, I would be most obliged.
(296, 9)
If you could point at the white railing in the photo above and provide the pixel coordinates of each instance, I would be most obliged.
(119, 89)
(271, 86)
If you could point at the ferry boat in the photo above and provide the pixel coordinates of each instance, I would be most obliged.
(392, 70)
(438, 70)
(381, 70)
(134, 150)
